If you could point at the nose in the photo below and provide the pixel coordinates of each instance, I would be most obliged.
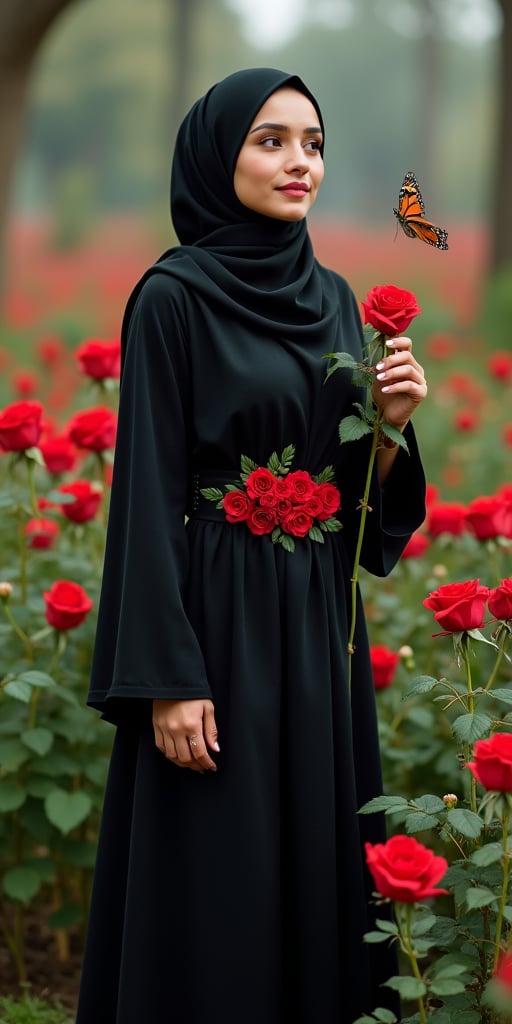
(297, 161)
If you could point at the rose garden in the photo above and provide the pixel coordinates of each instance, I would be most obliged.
(440, 629)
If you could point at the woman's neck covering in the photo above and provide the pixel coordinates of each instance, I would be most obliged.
(251, 268)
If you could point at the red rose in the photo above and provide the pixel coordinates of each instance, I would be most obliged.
(492, 765)
(297, 522)
(489, 516)
(237, 506)
(466, 420)
(404, 870)
(283, 507)
(87, 498)
(389, 309)
(314, 506)
(94, 429)
(416, 545)
(446, 517)
(384, 662)
(25, 383)
(50, 350)
(301, 485)
(261, 520)
(500, 365)
(41, 533)
(59, 454)
(458, 606)
(499, 600)
(99, 359)
(20, 426)
(67, 605)
(330, 498)
(504, 970)
(260, 481)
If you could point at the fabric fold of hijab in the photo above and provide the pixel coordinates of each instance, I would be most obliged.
(250, 268)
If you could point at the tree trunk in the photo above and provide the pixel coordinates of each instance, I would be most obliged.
(501, 211)
(22, 28)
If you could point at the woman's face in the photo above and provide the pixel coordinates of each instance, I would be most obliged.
(280, 167)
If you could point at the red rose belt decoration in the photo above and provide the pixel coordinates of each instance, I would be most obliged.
(272, 500)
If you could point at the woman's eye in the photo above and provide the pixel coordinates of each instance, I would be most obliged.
(271, 140)
(314, 145)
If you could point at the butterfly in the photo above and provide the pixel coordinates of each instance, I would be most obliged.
(411, 215)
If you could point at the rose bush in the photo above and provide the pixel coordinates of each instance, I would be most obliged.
(20, 426)
(458, 606)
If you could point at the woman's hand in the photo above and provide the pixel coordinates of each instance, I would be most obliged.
(184, 730)
(400, 385)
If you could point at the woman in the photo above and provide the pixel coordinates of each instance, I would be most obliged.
(230, 882)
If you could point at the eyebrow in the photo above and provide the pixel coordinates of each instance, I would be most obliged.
(268, 125)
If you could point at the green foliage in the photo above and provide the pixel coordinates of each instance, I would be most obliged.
(31, 1010)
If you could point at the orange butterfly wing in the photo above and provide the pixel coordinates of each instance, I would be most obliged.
(411, 215)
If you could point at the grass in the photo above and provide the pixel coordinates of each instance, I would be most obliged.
(28, 1010)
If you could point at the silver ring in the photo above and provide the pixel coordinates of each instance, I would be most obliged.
(193, 740)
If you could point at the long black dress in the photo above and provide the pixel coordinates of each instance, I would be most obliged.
(239, 896)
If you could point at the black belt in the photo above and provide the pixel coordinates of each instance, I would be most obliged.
(200, 507)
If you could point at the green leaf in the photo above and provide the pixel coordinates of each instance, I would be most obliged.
(383, 803)
(67, 810)
(487, 855)
(479, 897)
(235, 487)
(352, 428)
(18, 691)
(247, 466)
(12, 796)
(212, 493)
(447, 987)
(503, 695)
(466, 822)
(331, 525)
(35, 678)
(21, 884)
(409, 988)
(394, 435)
(276, 533)
(419, 822)
(469, 728)
(422, 925)
(316, 534)
(375, 937)
(38, 740)
(326, 476)
(387, 926)
(421, 684)
(287, 542)
(66, 916)
(430, 803)
(12, 755)
(341, 361)
(287, 456)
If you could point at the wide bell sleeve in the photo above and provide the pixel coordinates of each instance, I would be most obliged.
(145, 646)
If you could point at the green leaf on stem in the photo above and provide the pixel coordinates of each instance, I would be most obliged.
(67, 810)
(415, 822)
(480, 896)
(503, 695)
(383, 803)
(316, 534)
(35, 678)
(21, 884)
(12, 796)
(469, 728)
(18, 690)
(466, 822)
(65, 917)
(40, 741)
(447, 987)
(247, 466)
(486, 855)
(352, 428)
(408, 988)
(422, 684)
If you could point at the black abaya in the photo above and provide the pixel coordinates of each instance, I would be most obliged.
(237, 897)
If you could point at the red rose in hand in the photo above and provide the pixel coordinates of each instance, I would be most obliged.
(87, 498)
(99, 359)
(389, 309)
(41, 533)
(499, 601)
(20, 426)
(237, 506)
(492, 765)
(404, 870)
(458, 606)
(67, 605)
(93, 429)
(384, 662)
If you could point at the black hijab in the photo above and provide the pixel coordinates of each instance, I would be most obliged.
(253, 268)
